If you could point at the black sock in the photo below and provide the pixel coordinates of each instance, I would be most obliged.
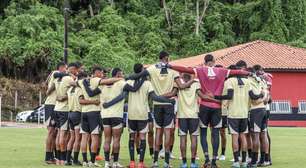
(171, 148)
(85, 157)
(156, 156)
(51, 156)
(213, 161)
(98, 151)
(116, 157)
(142, 150)
(223, 151)
(63, 155)
(192, 160)
(68, 156)
(250, 153)
(243, 156)
(47, 156)
(138, 150)
(254, 157)
(267, 157)
(151, 151)
(262, 157)
(184, 160)
(206, 157)
(75, 157)
(131, 149)
(58, 155)
(106, 156)
(92, 157)
(236, 156)
(167, 157)
(160, 147)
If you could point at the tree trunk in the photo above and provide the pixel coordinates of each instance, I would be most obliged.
(91, 10)
(167, 13)
(197, 19)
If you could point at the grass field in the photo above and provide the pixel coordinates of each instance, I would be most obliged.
(24, 148)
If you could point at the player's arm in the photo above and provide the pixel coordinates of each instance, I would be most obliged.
(117, 99)
(60, 75)
(83, 101)
(228, 96)
(136, 76)
(161, 99)
(238, 72)
(206, 96)
(90, 92)
(51, 89)
(109, 81)
(182, 69)
(61, 98)
(182, 85)
(173, 93)
(135, 87)
(254, 96)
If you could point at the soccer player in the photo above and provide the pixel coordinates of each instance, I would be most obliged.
(188, 117)
(91, 117)
(258, 123)
(62, 109)
(50, 114)
(238, 90)
(224, 112)
(74, 121)
(163, 80)
(212, 81)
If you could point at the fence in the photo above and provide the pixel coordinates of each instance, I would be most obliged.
(280, 107)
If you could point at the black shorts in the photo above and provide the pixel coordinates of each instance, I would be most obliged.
(150, 117)
(258, 120)
(224, 122)
(140, 126)
(237, 126)
(164, 116)
(210, 116)
(62, 120)
(74, 120)
(114, 123)
(91, 122)
(190, 125)
(50, 115)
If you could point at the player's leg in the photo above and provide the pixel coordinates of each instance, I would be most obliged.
(63, 118)
(49, 113)
(243, 130)
(116, 134)
(94, 127)
(158, 118)
(71, 139)
(223, 137)
(76, 145)
(204, 121)
(168, 128)
(84, 137)
(107, 140)
(151, 137)
(172, 139)
(137, 143)
(183, 130)
(216, 123)
(193, 127)
(142, 128)
(132, 136)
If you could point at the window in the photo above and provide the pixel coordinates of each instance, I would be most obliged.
(281, 107)
(302, 106)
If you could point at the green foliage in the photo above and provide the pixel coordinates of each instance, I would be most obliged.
(31, 31)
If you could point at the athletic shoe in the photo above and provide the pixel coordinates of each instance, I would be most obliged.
(90, 164)
(107, 165)
(162, 154)
(117, 165)
(194, 165)
(244, 165)
(232, 160)
(85, 164)
(172, 156)
(266, 163)
(197, 158)
(132, 164)
(68, 163)
(184, 165)
(141, 165)
(99, 158)
(252, 165)
(206, 165)
(249, 160)
(155, 165)
(166, 165)
(236, 165)
(214, 166)
(222, 157)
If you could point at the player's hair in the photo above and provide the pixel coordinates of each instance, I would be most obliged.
(96, 68)
(115, 71)
(233, 66)
(219, 66)
(60, 64)
(73, 64)
(186, 76)
(208, 58)
(82, 75)
(163, 54)
(257, 67)
(241, 64)
(79, 64)
(138, 67)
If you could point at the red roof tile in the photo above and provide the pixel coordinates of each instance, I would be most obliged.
(270, 55)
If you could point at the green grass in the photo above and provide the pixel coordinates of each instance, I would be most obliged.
(24, 148)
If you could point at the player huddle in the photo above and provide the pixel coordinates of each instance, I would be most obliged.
(81, 108)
